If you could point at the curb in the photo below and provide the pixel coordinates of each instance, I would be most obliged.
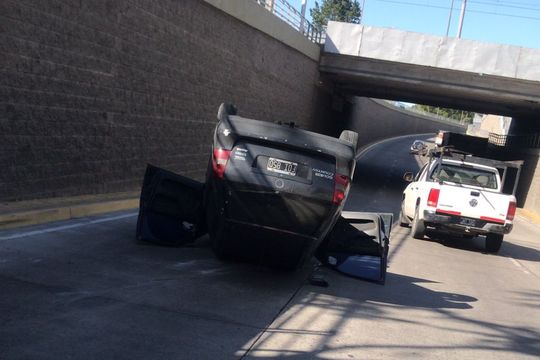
(41, 216)
(529, 215)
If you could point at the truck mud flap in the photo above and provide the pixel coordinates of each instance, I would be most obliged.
(171, 209)
(358, 245)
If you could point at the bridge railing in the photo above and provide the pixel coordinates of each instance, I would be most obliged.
(288, 13)
(529, 141)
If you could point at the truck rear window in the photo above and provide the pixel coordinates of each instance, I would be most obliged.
(465, 175)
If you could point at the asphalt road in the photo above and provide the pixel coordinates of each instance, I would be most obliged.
(85, 289)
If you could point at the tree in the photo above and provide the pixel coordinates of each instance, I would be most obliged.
(336, 10)
(454, 114)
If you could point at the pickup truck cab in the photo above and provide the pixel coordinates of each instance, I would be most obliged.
(460, 195)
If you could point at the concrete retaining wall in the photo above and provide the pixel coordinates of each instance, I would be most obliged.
(93, 90)
(375, 120)
(528, 193)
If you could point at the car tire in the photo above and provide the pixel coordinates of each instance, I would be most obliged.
(218, 247)
(350, 137)
(493, 242)
(403, 222)
(418, 228)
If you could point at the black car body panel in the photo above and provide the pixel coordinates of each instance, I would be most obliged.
(171, 208)
(232, 128)
(293, 199)
(358, 245)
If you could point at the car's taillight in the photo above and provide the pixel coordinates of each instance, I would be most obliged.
(511, 211)
(219, 162)
(433, 197)
(341, 188)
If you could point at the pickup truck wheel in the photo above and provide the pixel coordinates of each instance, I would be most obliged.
(493, 242)
(403, 222)
(418, 228)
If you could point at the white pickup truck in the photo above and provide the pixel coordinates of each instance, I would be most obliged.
(459, 195)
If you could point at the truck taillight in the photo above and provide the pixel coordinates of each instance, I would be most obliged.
(433, 197)
(511, 211)
(341, 188)
(219, 162)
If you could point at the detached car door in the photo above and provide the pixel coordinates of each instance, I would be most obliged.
(358, 245)
(171, 208)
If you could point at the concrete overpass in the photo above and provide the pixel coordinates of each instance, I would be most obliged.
(394, 64)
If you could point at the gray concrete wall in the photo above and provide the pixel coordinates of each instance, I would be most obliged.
(375, 120)
(528, 192)
(93, 90)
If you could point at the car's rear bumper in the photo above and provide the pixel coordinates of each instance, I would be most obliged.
(452, 223)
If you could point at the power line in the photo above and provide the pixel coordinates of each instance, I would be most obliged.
(508, 4)
(469, 11)
(503, 5)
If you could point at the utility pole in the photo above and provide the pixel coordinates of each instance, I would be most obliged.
(449, 18)
(461, 16)
(303, 19)
(362, 11)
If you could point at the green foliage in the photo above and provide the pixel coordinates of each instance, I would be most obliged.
(458, 115)
(336, 10)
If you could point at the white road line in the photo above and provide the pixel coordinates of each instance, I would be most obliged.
(515, 262)
(65, 227)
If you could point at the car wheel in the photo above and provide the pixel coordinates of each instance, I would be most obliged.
(493, 242)
(418, 228)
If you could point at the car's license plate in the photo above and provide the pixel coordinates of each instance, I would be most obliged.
(281, 166)
(468, 222)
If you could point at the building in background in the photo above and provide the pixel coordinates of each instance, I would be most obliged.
(483, 125)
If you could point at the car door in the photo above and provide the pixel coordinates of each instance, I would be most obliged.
(171, 210)
(411, 192)
(358, 245)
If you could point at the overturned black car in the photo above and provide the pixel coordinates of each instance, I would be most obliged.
(272, 193)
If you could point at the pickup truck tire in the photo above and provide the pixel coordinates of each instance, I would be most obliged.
(493, 242)
(418, 228)
(403, 222)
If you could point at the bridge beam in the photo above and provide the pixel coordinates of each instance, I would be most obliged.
(429, 85)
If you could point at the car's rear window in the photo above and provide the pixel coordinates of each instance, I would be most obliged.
(465, 175)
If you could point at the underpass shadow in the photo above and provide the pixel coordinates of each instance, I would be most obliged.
(519, 252)
(399, 290)
(477, 244)
(358, 301)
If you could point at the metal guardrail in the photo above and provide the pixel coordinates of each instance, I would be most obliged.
(529, 141)
(286, 12)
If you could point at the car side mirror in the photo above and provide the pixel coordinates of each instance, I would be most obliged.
(408, 176)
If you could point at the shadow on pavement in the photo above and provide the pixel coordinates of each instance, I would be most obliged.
(477, 244)
(520, 252)
(358, 301)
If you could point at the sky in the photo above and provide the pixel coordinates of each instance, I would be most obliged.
(513, 22)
